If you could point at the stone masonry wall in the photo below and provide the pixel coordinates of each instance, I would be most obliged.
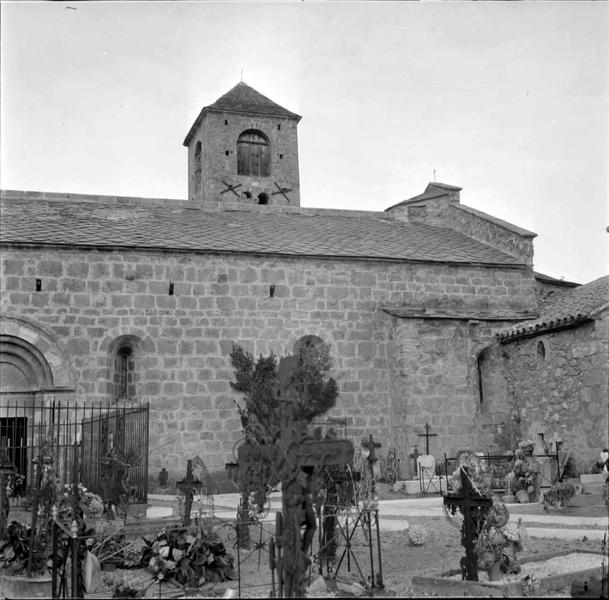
(562, 390)
(448, 212)
(90, 298)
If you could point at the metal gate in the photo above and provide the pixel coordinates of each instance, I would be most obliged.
(116, 436)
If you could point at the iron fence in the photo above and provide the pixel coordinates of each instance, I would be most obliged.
(100, 430)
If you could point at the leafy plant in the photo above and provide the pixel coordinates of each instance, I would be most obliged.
(188, 556)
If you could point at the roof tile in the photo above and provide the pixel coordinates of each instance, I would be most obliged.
(304, 232)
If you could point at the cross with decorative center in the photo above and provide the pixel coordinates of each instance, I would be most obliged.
(474, 509)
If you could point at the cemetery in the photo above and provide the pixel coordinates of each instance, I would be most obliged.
(313, 513)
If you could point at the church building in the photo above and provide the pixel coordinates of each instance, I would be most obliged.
(141, 299)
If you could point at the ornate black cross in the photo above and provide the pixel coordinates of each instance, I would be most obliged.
(281, 190)
(415, 455)
(427, 435)
(474, 508)
(188, 486)
(230, 188)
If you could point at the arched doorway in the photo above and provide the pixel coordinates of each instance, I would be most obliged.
(24, 374)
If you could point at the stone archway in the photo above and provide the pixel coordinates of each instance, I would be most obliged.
(33, 370)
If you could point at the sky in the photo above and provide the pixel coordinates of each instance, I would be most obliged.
(508, 100)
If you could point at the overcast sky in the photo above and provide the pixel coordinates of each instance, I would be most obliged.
(507, 100)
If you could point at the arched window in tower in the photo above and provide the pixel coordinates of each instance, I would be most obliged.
(198, 167)
(253, 154)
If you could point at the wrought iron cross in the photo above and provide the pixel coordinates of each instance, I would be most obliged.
(187, 486)
(230, 188)
(427, 435)
(474, 508)
(281, 190)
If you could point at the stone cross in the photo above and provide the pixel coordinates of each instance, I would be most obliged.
(187, 486)
(474, 508)
(427, 435)
(294, 459)
(414, 455)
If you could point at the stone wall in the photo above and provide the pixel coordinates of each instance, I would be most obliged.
(556, 383)
(446, 211)
(89, 299)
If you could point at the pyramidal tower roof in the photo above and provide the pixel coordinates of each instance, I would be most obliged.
(243, 99)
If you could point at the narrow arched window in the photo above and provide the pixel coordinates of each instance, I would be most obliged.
(198, 167)
(124, 380)
(541, 351)
(253, 154)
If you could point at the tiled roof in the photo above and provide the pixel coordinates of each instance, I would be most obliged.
(251, 229)
(549, 279)
(243, 99)
(579, 304)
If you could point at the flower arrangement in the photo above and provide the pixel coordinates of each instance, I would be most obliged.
(530, 585)
(417, 535)
(91, 504)
(558, 495)
(499, 540)
(524, 474)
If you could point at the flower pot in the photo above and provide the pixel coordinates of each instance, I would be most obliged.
(522, 496)
(508, 499)
(15, 587)
(494, 572)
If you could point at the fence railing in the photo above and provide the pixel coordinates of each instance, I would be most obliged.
(499, 465)
(101, 430)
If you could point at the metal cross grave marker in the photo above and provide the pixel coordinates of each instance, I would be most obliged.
(187, 486)
(474, 508)
(427, 435)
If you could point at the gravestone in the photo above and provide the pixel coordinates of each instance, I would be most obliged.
(294, 460)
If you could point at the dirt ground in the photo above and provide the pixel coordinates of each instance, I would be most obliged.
(440, 553)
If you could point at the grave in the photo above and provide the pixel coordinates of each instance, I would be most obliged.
(553, 571)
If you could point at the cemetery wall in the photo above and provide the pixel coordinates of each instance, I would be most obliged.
(557, 383)
(90, 300)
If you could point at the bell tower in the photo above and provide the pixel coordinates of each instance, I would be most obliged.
(244, 148)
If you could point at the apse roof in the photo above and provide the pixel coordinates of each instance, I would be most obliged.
(181, 226)
(577, 305)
